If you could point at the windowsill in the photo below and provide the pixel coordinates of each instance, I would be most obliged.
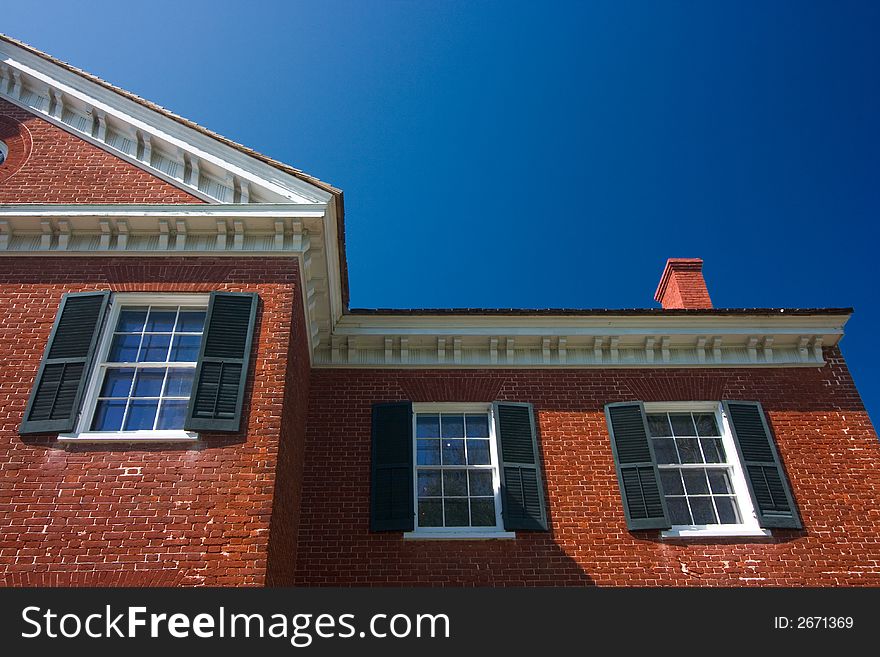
(714, 532)
(168, 436)
(423, 535)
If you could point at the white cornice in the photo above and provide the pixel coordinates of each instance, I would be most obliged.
(736, 340)
(202, 165)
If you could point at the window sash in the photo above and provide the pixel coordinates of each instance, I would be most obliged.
(195, 302)
(741, 495)
(458, 409)
(709, 494)
(129, 397)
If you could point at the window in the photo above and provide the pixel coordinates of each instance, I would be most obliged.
(457, 485)
(145, 365)
(437, 470)
(700, 474)
(4, 151)
(679, 470)
(129, 374)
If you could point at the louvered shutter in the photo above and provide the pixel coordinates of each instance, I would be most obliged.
(637, 473)
(391, 498)
(768, 486)
(522, 489)
(221, 372)
(61, 379)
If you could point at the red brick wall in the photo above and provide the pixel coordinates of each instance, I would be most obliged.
(825, 439)
(284, 524)
(49, 165)
(192, 514)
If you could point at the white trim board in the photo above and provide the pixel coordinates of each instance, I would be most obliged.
(398, 354)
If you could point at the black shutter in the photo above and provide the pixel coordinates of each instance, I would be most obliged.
(218, 388)
(522, 490)
(770, 492)
(637, 473)
(391, 499)
(58, 389)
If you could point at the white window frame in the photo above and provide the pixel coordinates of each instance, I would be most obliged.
(90, 398)
(447, 533)
(749, 526)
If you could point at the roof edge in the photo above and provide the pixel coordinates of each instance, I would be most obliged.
(286, 168)
(550, 312)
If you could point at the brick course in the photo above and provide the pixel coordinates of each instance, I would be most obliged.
(825, 439)
(136, 514)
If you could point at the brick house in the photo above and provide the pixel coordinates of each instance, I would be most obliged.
(189, 400)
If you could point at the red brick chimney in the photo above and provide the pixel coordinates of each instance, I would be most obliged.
(682, 285)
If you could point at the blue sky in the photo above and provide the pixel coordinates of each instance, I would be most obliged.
(541, 154)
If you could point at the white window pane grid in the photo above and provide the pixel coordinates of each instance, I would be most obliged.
(454, 470)
(695, 472)
(147, 377)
